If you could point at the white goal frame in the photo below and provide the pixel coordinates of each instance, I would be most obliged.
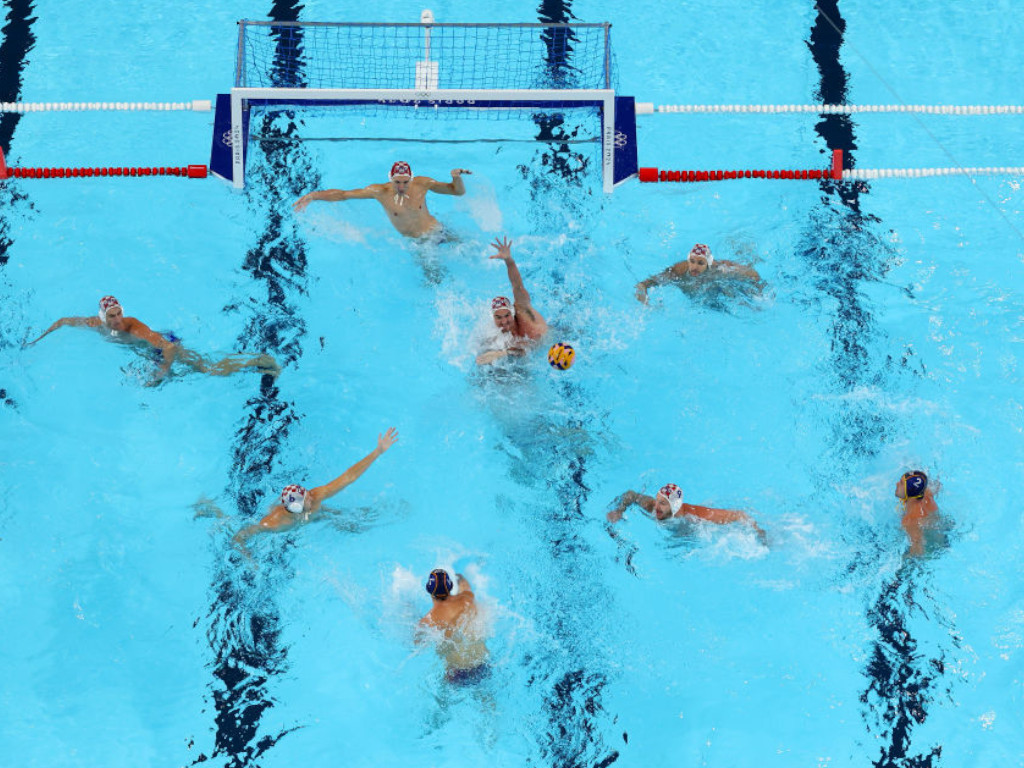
(417, 98)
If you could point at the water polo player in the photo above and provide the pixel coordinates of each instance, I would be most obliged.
(668, 503)
(297, 505)
(115, 325)
(519, 323)
(699, 265)
(919, 508)
(458, 629)
(404, 197)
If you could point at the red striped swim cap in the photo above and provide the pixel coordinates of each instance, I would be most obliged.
(400, 168)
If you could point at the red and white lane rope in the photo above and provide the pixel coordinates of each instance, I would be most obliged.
(648, 108)
(197, 105)
(836, 172)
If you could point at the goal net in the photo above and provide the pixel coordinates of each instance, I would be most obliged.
(425, 71)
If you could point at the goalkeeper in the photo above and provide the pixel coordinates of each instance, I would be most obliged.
(404, 197)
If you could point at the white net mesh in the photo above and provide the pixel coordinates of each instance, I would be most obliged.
(462, 56)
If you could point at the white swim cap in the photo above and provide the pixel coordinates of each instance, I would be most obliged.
(702, 250)
(674, 494)
(293, 498)
(108, 303)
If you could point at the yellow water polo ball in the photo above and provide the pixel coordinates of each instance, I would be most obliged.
(561, 356)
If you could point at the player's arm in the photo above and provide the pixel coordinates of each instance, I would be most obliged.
(454, 187)
(354, 472)
(493, 355)
(337, 195)
(168, 349)
(912, 525)
(719, 516)
(463, 583)
(626, 500)
(520, 296)
(240, 538)
(80, 322)
(661, 278)
(740, 270)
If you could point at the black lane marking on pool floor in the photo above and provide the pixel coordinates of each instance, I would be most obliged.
(555, 454)
(245, 627)
(16, 40)
(844, 255)
(558, 160)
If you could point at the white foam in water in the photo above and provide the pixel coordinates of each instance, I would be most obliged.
(402, 603)
(330, 226)
(465, 329)
(481, 202)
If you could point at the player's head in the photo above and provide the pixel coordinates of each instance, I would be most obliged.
(912, 485)
(439, 584)
(503, 313)
(293, 498)
(111, 313)
(400, 175)
(668, 501)
(699, 260)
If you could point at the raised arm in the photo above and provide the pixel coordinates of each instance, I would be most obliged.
(354, 472)
(81, 322)
(453, 187)
(504, 252)
(336, 196)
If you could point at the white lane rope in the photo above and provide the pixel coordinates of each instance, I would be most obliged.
(197, 105)
(648, 108)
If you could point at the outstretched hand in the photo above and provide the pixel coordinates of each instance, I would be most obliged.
(386, 440)
(302, 202)
(504, 248)
(641, 293)
(614, 516)
(456, 172)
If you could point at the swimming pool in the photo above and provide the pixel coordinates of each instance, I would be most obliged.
(886, 338)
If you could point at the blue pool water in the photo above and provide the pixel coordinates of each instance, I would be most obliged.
(886, 338)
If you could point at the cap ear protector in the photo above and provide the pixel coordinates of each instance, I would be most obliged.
(439, 583)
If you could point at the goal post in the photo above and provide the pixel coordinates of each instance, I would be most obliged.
(429, 68)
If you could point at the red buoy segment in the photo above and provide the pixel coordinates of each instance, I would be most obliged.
(654, 175)
(187, 171)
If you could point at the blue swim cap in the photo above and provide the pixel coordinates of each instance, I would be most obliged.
(917, 481)
(439, 583)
